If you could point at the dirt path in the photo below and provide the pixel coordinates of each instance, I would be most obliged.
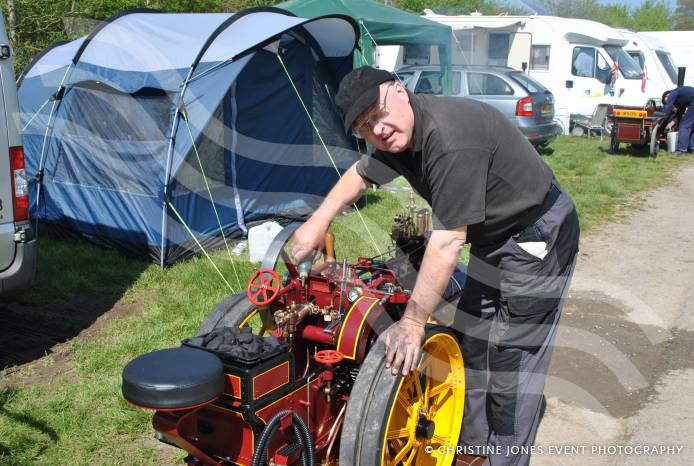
(623, 370)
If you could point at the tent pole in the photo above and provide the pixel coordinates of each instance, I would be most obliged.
(169, 161)
(49, 130)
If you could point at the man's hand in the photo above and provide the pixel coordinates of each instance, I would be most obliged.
(307, 239)
(403, 345)
(670, 125)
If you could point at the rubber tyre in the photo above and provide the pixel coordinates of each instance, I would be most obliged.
(232, 312)
(655, 142)
(614, 143)
(369, 409)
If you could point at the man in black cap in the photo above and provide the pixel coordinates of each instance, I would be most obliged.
(487, 186)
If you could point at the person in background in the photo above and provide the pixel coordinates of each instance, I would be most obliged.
(678, 107)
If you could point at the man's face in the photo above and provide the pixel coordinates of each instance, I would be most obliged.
(388, 125)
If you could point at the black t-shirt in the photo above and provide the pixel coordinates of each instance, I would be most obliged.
(471, 164)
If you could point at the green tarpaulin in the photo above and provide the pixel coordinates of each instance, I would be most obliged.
(382, 25)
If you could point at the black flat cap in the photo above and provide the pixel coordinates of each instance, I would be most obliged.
(358, 91)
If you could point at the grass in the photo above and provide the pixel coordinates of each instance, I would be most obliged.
(81, 418)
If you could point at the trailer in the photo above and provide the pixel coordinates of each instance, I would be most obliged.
(641, 127)
(581, 62)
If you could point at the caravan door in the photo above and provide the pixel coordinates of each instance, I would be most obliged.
(589, 83)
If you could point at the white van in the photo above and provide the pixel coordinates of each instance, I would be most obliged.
(654, 59)
(17, 245)
(575, 59)
(681, 46)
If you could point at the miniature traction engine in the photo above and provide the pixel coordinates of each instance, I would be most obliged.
(291, 371)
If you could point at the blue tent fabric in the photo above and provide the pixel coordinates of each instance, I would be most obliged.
(119, 123)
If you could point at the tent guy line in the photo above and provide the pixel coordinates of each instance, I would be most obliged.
(327, 151)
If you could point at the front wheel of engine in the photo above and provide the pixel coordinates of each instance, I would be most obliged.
(406, 420)
(238, 311)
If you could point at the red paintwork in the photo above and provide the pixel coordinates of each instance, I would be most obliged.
(232, 386)
(628, 132)
(226, 430)
(272, 379)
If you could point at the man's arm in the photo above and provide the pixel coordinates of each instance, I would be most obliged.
(671, 98)
(404, 339)
(309, 237)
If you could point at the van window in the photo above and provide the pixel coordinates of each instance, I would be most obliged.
(430, 83)
(487, 84)
(583, 63)
(539, 57)
(666, 60)
(637, 57)
(602, 70)
(627, 66)
(498, 45)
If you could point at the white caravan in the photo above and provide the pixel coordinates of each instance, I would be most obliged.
(681, 45)
(655, 60)
(573, 58)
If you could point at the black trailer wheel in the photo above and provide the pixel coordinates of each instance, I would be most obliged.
(238, 311)
(410, 420)
(614, 142)
(655, 141)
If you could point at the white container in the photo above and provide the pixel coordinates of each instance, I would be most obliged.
(672, 141)
(259, 239)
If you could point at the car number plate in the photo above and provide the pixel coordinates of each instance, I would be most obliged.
(546, 109)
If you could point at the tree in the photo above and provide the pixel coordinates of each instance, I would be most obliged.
(684, 15)
(652, 15)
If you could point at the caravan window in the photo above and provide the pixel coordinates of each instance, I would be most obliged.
(539, 57)
(498, 45)
(583, 63)
(487, 84)
(418, 54)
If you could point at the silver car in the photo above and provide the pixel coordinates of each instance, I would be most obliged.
(17, 246)
(522, 99)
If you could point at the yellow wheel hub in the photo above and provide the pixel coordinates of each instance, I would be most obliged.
(425, 418)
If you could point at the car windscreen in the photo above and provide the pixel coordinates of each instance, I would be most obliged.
(628, 67)
(666, 59)
(529, 84)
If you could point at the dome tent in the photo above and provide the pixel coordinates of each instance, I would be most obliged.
(155, 116)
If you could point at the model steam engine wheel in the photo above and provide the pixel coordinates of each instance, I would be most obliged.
(238, 311)
(393, 420)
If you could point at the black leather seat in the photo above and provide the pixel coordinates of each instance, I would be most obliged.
(173, 379)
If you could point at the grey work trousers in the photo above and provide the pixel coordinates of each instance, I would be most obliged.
(506, 323)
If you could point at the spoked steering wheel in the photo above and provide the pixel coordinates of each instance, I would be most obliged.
(263, 287)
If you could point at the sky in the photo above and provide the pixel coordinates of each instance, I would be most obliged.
(534, 4)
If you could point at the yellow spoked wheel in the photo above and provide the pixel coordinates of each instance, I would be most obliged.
(238, 311)
(411, 420)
